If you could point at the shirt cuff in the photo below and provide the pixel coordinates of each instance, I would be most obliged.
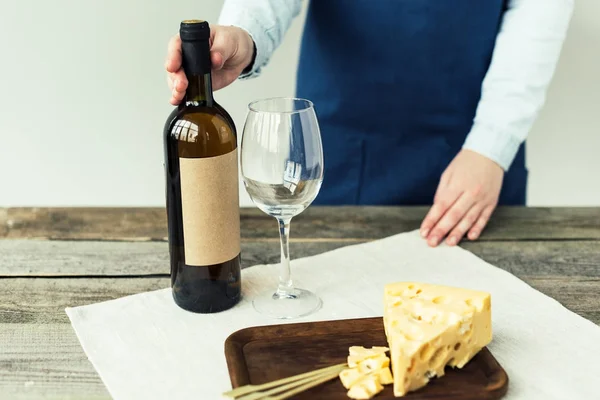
(259, 36)
(500, 147)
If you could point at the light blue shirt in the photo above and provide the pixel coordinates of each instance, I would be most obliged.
(514, 90)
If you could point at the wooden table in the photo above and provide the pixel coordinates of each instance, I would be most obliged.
(54, 258)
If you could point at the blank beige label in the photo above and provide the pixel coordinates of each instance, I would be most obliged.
(211, 212)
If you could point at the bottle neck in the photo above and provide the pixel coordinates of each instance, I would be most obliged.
(197, 67)
(199, 91)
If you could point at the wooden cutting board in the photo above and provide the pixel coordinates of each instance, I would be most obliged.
(264, 354)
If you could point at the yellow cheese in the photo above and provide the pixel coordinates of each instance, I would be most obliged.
(365, 388)
(359, 353)
(385, 376)
(350, 376)
(373, 364)
(373, 351)
(366, 377)
(431, 326)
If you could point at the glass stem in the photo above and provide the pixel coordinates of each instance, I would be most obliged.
(285, 287)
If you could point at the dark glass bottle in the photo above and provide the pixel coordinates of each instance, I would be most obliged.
(202, 198)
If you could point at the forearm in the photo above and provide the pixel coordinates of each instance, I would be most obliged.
(514, 89)
(266, 21)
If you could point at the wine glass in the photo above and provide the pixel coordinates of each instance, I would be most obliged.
(282, 169)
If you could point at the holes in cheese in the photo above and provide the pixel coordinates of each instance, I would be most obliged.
(412, 365)
(426, 352)
(439, 355)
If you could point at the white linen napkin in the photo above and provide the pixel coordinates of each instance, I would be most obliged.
(145, 347)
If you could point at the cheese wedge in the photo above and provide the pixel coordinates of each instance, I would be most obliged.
(431, 326)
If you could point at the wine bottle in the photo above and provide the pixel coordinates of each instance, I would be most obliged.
(201, 166)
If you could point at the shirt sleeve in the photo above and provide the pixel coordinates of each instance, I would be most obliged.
(527, 49)
(266, 21)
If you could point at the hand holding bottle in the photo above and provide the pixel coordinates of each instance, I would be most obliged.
(231, 50)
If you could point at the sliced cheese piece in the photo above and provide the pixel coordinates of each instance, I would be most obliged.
(365, 388)
(373, 351)
(373, 364)
(431, 326)
(350, 376)
(359, 353)
(385, 376)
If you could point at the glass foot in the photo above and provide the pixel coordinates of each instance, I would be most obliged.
(297, 303)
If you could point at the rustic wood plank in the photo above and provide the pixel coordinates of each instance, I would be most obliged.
(42, 301)
(84, 258)
(541, 258)
(149, 224)
(46, 362)
(64, 258)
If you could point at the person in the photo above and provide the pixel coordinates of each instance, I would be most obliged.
(422, 102)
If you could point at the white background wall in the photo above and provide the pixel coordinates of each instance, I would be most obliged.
(83, 100)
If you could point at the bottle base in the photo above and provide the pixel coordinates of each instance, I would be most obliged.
(203, 307)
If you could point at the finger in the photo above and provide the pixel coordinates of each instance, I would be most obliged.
(481, 222)
(437, 211)
(179, 86)
(173, 62)
(450, 219)
(464, 225)
(217, 60)
(170, 81)
(179, 82)
(223, 47)
(177, 96)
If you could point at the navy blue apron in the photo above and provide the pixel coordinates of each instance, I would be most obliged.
(396, 85)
